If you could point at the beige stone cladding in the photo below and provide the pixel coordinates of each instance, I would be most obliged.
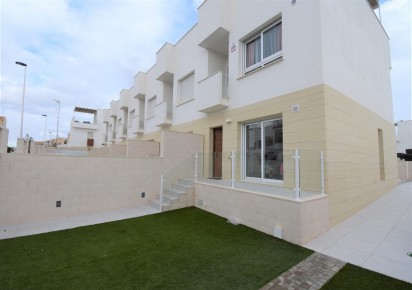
(354, 158)
(299, 221)
(31, 184)
(327, 121)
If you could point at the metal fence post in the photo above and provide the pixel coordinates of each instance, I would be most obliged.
(297, 175)
(232, 180)
(161, 192)
(196, 164)
(322, 172)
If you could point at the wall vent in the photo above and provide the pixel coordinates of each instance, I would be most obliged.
(295, 108)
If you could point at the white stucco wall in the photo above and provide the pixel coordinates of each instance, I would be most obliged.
(355, 55)
(340, 43)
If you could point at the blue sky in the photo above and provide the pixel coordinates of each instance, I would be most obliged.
(84, 52)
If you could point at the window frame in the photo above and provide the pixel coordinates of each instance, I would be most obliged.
(263, 61)
(262, 148)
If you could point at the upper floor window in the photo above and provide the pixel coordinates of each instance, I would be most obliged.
(263, 47)
(187, 88)
(151, 104)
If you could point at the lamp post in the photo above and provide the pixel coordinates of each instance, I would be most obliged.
(58, 117)
(45, 123)
(22, 102)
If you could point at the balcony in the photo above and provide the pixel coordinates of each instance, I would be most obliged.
(105, 139)
(163, 115)
(106, 115)
(84, 125)
(213, 93)
(137, 125)
(113, 108)
(213, 23)
(123, 133)
(124, 100)
(111, 137)
(165, 63)
(138, 90)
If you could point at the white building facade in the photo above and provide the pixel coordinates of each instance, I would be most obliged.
(265, 78)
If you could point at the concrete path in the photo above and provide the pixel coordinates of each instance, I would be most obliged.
(32, 228)
(378, 238)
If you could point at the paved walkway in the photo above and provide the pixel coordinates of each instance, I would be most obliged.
(378, 238)
(32, 228)
(311, 274)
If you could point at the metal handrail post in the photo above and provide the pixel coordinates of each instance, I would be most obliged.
(196, 164)
(297, 175)
(161, 192)
(322, 171)
(232, 157)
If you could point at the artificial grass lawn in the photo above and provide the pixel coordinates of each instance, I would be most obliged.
(182, 249)
(353, 277)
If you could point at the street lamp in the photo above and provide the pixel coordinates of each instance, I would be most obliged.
(22, 102)
(58, 117)
(45, 122)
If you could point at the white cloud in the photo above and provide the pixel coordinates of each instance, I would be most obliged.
(86, 52)
(82, 52)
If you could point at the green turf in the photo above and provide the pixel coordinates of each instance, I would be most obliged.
(183, 249)
(352, 277)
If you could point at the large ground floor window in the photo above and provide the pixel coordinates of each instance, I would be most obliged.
(263, 150)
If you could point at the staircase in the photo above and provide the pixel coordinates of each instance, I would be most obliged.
(179, 195)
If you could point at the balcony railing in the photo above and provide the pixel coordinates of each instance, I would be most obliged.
(137, 125)
(213, 93)
(84, 125)
(163, 114)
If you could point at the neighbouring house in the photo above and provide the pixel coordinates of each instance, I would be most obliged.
(288, 95)
(404, 149)
(84, 128)
(403, 136)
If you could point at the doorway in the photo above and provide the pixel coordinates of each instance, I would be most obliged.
(217, 152)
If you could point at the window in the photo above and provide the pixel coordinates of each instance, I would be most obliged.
(264, 47)
(263, 150)
(187, 88)
(151, 104)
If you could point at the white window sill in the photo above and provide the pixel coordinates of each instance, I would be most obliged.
(245, 74)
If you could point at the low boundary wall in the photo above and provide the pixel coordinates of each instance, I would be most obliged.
(32, 184)
(296, 221)
(405, 170)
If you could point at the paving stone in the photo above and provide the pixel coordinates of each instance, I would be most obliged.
(310, 274)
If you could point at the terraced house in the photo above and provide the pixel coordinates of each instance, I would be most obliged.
(290, 96)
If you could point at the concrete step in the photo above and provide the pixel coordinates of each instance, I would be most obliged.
(180, 188)
(156, 204)
(185, 182)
